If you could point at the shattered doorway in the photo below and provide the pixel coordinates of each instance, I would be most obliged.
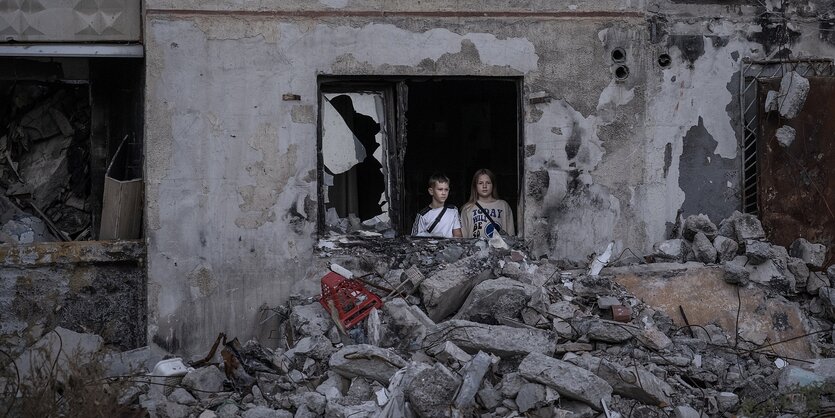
(61, 122)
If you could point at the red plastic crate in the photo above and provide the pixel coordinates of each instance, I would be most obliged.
(351, 299)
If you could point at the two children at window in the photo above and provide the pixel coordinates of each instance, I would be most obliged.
(482, 216)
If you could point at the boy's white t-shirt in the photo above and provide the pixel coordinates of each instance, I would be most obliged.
(426, 217)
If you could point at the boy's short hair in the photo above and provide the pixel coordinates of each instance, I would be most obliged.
(437, 178)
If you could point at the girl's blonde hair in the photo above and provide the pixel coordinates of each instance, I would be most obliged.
(474, 185)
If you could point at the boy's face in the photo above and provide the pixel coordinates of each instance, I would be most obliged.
(439, 192)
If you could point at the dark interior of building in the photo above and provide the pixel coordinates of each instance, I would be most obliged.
(457, 126)
(62, 121)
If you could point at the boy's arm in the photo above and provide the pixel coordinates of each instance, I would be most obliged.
(456, 226)
(416, 226)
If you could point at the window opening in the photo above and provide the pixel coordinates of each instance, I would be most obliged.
(457, 127)
(353, 150)
(61, 122)
(380, 141)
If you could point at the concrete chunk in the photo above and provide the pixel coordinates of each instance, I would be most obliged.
(600, 330)
(364, 360)
(654, 338)
(569, 380)
(793, 91)
(473, 374)
(335, 409)
(205, 381)
(635, 383)
(698, 223)
(310, 319)
(757, 251)
(746, 227)
(785, 135)
(735, 274)
(812, 254)
(446, 290)
(500, 340)
(530, 396)
(492, 300)
(671, 249)
(726, 248)
(432, 391)
(815, 282)
(703, 249)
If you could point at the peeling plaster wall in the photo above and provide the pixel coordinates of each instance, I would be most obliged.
(231, 168)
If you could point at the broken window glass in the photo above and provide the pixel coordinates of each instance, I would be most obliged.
(355, 168)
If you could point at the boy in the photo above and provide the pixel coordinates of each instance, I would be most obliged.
(439, 219)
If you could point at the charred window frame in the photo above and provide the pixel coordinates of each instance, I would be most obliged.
(402, 184)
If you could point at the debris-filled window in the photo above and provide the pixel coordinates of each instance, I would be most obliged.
(61, 124)
(380, 142)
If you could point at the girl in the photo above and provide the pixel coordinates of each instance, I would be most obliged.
(485, 214)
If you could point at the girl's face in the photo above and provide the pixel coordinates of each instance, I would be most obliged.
(484, 187)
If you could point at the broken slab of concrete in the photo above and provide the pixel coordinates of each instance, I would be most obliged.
(310, 319)
(735, 273)
(706, 298)
(405, 322)
(703, 249)
(757, 251)
(741, 227)
(473, 375)
(726, 248)
(445, 291)
(363, 360)
(785, 135)
(432, 391)
(671, 249)
(204, 381)
(500, 340)
(635, 383)
(492, 300)
(812, 254)
(569, 380)
(815, 282)
(610, 332)
(793, 91)
(694, 224)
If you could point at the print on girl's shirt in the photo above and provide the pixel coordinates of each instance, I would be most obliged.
(479, 220)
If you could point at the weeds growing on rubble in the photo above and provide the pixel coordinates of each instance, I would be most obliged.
(59, 386)
(806, 400)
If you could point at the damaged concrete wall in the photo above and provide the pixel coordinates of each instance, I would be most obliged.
(619, 143)
(90, 287)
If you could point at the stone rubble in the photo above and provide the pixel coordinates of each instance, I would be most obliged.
(475, 331)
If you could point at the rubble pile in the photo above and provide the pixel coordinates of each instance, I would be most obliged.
(468, 329)
(44, 162)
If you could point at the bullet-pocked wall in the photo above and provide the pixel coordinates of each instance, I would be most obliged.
(630, 116)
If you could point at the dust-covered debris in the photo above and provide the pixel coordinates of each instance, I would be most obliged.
(471, 330)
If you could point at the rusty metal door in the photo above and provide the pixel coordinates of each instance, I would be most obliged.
(796, 185)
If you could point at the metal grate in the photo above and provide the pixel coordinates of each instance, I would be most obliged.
(752, 71)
